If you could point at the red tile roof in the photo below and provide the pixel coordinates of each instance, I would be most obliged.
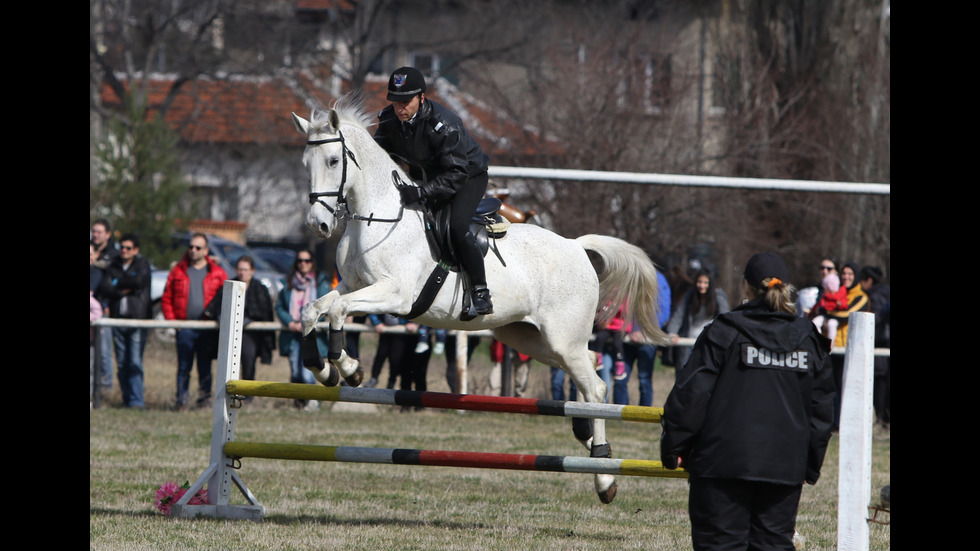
(257, 111)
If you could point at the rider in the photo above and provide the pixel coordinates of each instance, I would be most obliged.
(445, 161)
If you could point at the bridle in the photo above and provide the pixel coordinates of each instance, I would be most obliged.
(315, 197)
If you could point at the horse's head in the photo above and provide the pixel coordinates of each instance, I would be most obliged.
(326, 158)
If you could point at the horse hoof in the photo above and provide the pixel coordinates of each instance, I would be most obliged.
(609, 495)
(333, 379)
(356, 378)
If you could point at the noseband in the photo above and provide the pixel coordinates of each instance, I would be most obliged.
(315, 197)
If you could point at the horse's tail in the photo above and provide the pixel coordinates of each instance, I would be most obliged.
(627, 277)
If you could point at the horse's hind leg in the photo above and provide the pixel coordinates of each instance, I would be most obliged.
(592, 389)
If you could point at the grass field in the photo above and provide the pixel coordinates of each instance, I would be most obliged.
(320, 505)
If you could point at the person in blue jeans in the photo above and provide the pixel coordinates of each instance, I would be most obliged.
(126, 286)
(605, 373)
(303, 285)
(642, 355)
(191, 285)
(558, 385)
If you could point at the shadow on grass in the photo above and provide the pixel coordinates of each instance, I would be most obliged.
(333, 520)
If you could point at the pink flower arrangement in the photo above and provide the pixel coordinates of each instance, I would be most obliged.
(170, 493)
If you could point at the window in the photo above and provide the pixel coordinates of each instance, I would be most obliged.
(646, 84)
(723, 76)
(427, 63)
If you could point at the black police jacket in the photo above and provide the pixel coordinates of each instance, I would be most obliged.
(441, 155)
(755, 401)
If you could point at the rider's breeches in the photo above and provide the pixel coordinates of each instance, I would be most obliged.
(465, 202)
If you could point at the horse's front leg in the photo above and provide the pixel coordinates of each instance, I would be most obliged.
(328, 375)
(383, 297)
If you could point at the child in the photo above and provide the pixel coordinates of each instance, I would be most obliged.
(423, 344)
(613, 330)
(833, 299)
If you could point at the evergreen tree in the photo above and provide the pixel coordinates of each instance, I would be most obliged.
(140, 185)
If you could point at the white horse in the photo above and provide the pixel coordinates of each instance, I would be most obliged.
(545, 298)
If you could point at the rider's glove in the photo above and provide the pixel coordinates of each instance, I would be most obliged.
(410, 194)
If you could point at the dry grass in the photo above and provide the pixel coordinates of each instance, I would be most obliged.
(312, 505)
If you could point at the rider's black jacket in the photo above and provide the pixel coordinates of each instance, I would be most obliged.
(441, 155)
(755, 401)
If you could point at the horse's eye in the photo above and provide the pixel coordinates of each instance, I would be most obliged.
(333, 162)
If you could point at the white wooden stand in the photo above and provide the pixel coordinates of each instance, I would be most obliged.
(220, 474)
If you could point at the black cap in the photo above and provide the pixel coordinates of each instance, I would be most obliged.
(405, 83)
(873, 272)
(763, 266)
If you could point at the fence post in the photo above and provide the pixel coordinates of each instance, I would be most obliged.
(856, 425)
(462, 344)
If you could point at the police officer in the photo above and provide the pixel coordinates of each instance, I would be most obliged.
(446, 163)
(751, 416)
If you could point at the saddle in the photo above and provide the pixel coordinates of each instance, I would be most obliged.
(487, 225)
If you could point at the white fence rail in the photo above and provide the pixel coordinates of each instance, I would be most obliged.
(323, 326)
(686, 180)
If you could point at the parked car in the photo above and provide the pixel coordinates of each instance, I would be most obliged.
(226, 253)
(279, 257)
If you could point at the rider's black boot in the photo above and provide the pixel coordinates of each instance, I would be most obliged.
(481, 300)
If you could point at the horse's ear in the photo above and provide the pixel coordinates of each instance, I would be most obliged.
(334, 119)
(301, 124)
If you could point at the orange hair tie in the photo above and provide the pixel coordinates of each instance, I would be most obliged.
(774, 281)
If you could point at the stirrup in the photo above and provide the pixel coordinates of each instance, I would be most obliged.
(482, 295)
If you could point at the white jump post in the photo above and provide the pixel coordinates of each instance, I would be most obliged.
(220, 474)
(856, 424)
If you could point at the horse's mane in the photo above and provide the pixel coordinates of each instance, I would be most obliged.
(349, 108)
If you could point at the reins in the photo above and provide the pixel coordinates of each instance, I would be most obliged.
(315, 197)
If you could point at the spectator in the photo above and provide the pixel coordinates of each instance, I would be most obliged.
(452, 367)
(191, 285)
(520, 365)
(832, 298)
(806, 298)
(126, 285)
(558, 385)
(105, 249)
(398, 348)
(94, 278)
(447, 165)
(94, 313)
(879, 304)
(384, 350)
(423, 344)
(857, 301)
(258, 307)
(749, 417)
(697, 309)
(613, 334)
(303, 285)
(414, 368)
(643, 354)
(94, 272)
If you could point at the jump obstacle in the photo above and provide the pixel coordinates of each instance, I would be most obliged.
(857, 418)
(226, 452)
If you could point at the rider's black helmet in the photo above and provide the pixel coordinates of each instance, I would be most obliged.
(405, 83)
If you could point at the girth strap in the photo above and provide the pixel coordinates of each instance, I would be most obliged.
(429, 290)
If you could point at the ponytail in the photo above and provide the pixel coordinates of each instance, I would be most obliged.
(778, 294)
